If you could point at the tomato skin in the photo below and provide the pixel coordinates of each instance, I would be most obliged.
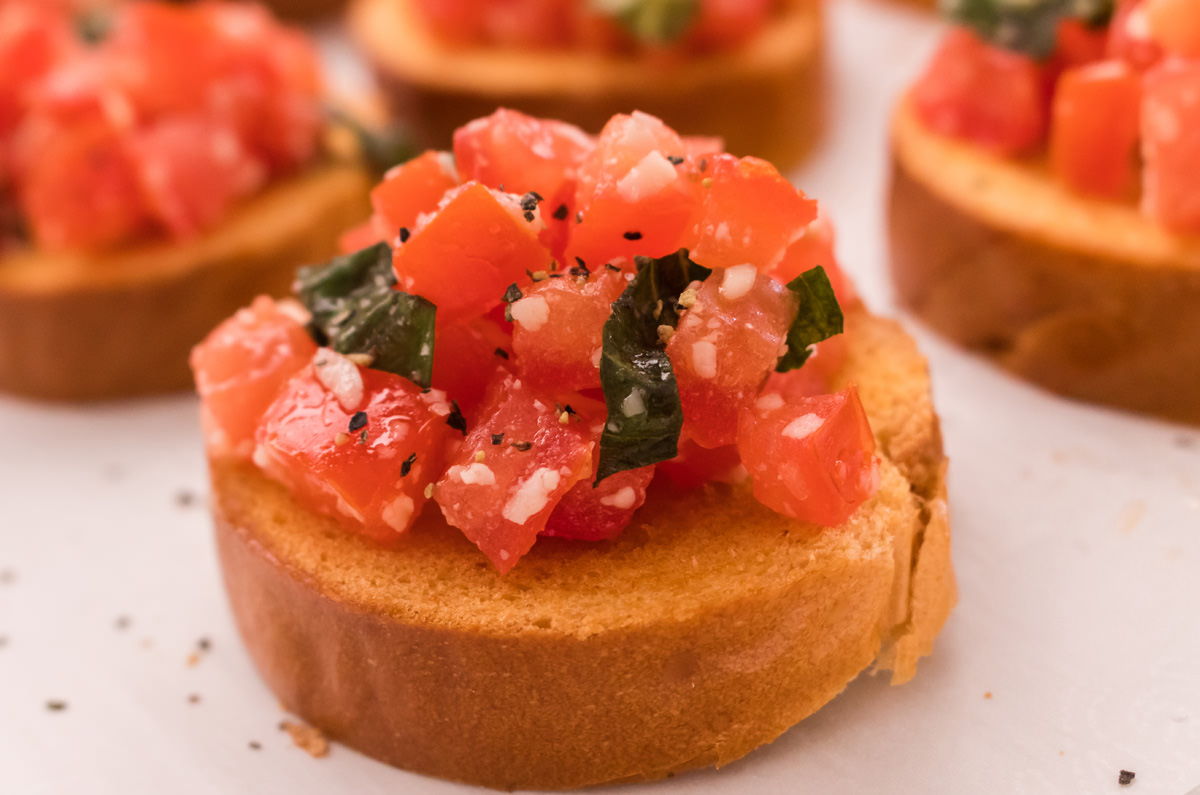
(240, 368)
(1095, 129)
(812, 459)
(410, 189)
(1128, 36)
(502, 499)
(749, 213)
(1174, 24)
(1078, 45)
(1171, 145)
(558, 329)
(815, 246)
(81, 190)
(725, 346)
(469, 252)
(693, 465)
(991, 97)
(304, 441)
(33, 39)
(465, 355)
(725, 24)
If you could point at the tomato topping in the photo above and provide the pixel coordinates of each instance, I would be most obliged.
(815, 246)
(812, 458)
(749, 214)
(33, 39)
(632, 198)
(513, 468)
(724, 24)
(1129, 36)
(241, 366)
(987, 95)
(410, 189)
(695, 465)
(1171, 145)
(465, 354)
(558, 327)
(726, 344)
(367, 460)
(464, 257)
(1174, 24)
(1094, 135)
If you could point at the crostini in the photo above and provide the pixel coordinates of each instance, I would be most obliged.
(749, 72)
(574, 481)
(159, 167)
(1044, 209)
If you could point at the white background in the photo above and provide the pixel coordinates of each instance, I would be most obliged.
(1076, 539)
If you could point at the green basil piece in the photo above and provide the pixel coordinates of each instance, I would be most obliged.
(819, 317)
(651, 21)
(356, 309)
(640, 391)
(1029, 27)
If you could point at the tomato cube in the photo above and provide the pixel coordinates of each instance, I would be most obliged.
(410, 189)
(1094, 132)
(1174, 24)
(1171, 145)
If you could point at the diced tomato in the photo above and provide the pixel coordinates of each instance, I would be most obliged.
(594, 512)
(453, 21)
(514, 467)
(366, 234)
(464, 357)
(983, 94)
(476, 245)
(80, 190)
(827, 359)
(1175, 24)
(750, 214)
(373, 474)
(632, 198)
(192, 170)
(558, 327)
(1094, 132)
(33, 39)
(724, 24)
(815, 246)
(1078, 44)
(725, 346)
(693, 465)
(410, 189)
(241, 366)
(812, 459)
(1129, 36)
(1171, 145)
(520, 154)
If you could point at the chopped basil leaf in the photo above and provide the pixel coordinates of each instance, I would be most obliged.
(651, 21)
(644, 412)
(818, 318)
(356, 309)
(1029, 27)
(380, 147)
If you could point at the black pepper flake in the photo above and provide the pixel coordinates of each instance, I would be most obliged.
(503, 354)
(362, 437)
(560, 213)
(456, 420)
(56, 706)
(579, 216)
(513, 293)
(404, 234)
(703, 164)
(358, 421)
(497, 438)
(611, 267)
(407, 464)
(529, 216)
(255, 745)
(1125, 777)
(633, 235)
(522, 446)
(529, 201)
(675, 160)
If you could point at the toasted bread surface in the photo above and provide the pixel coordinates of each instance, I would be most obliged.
(763, 98)
(1088, 298)
(78, 326)
(705, 630)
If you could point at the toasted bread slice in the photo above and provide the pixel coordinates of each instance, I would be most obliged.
(764, 98)
(77, 326)
(1088, 298)
(705, 630)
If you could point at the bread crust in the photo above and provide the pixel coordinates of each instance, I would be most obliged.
(704, 631)
(1087, 298)
(85, 327)
(764, 98)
